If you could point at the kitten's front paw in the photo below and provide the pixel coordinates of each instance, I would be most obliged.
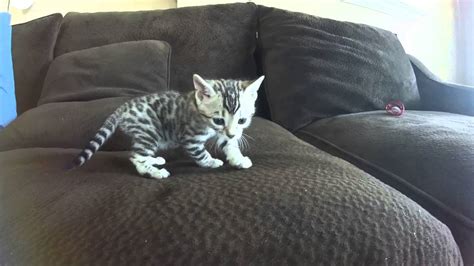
(158, 160)
(246, 163)
(152, 171)
(211, 163)
(243, 163)
(215, 163)
(159, 173)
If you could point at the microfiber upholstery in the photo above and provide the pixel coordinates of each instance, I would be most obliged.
(83, 87)
(120, 69)
(329, 67)
(40, 126)
(214, 41)
(427, 155)
(32, 51)
(296, 206)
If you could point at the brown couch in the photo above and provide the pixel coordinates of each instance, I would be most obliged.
(402, 195)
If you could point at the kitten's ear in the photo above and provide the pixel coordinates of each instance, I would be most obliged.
(204, 90)
(252, 88)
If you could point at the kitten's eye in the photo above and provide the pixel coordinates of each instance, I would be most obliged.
(218, 121)
(242, 120)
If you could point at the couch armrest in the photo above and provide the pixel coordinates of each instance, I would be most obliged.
(437, 95)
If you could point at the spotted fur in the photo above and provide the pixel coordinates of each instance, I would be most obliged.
(156, 122)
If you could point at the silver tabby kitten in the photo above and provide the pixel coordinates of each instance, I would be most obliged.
(166, 120)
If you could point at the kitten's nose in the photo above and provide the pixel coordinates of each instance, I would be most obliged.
(230, 135)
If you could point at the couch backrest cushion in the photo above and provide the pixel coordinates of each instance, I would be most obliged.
(114, 70)
(214, 41)
(317, 67)
(32, 51)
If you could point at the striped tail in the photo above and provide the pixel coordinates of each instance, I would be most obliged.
(104, 133)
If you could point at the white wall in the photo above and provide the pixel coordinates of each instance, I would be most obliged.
(427, 32)
(3, 5)
(464, 25)
(45, 7)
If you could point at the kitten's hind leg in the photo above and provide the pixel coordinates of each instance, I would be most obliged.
(145, 161)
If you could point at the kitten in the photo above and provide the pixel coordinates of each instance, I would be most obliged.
(166, 120)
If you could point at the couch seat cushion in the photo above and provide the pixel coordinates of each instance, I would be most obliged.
(427, 155)
(297, 205)
(64, 125)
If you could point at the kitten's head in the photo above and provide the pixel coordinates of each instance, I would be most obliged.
(227, 104)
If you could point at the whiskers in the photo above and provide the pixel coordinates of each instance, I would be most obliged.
(248, 136)
(243, 142)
